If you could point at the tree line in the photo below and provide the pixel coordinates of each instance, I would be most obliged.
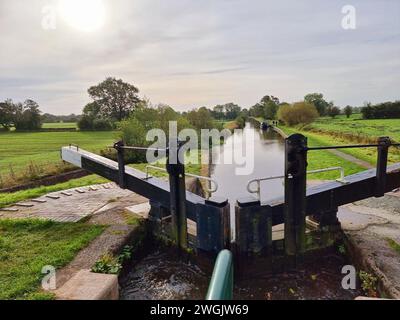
(386, 110)
(20, 115)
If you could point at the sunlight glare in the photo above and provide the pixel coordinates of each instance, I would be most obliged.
(85, 15)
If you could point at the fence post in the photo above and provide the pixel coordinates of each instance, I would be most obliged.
(176, 171)
(119, 146)
(295, 194)
(381, 166)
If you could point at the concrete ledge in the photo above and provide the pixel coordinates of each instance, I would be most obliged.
(86, 285)
(369, 299)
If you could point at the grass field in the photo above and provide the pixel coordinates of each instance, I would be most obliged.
(26, 246)
(342, 131)
(60, 125)
(18, 150)
(324, 159)
(356, 126)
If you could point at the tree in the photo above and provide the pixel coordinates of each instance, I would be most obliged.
(218, 112)
(115, 98)
(7, 114)
(200, 119)
(333, 111)
(317, 99)
(298, 113)
(348, 111)
(27, 116)
(267, 108)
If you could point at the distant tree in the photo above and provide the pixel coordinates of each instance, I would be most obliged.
(267, 108)
(227, 111)
(231, 110)
(385, 110)
(200, 119)
(333, 111)
(298, 113)
(115, 98)
(317, 99)
(27, 116)
(348, 111)
(7, 114)
(218, 112)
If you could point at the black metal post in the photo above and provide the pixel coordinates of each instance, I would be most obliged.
(119, 146)
(176, 171)
(381, 166)
(295, 194)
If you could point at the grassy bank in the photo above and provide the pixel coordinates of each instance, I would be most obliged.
(30, 155)
(14, 197)
(359, 128)
(319, 135)
(26, 246)
(324, 159)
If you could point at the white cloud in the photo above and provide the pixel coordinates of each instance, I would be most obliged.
(190, 53)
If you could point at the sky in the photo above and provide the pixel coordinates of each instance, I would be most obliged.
(191, 53)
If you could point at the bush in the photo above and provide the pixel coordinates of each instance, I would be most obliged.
(133, 133)
(298, 113)
(85, 123)
(102, 125)
(387, 110)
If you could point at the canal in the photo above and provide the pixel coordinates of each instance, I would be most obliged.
(267, 156)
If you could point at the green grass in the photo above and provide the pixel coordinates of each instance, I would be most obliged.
(60, 125)
(366, 154)
(355, 125)
(324, 159)
(11, 198)
(43, 148)
(394, 245)
(26, 246)
(341, 130)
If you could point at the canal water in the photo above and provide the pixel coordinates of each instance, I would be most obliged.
(163, 275)
(266, 158)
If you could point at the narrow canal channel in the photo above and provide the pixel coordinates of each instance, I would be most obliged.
(267, 158)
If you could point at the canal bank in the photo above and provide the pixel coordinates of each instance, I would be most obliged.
(371, 234)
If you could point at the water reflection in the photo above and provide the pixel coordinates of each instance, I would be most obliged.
(268, 158)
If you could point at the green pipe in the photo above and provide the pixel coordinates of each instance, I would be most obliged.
(221, 285)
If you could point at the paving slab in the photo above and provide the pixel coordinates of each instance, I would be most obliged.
(86, 285)
(68, 205)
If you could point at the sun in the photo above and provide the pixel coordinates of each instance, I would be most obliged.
(84, 15)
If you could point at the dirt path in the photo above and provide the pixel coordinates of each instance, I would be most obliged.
(352, 159)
